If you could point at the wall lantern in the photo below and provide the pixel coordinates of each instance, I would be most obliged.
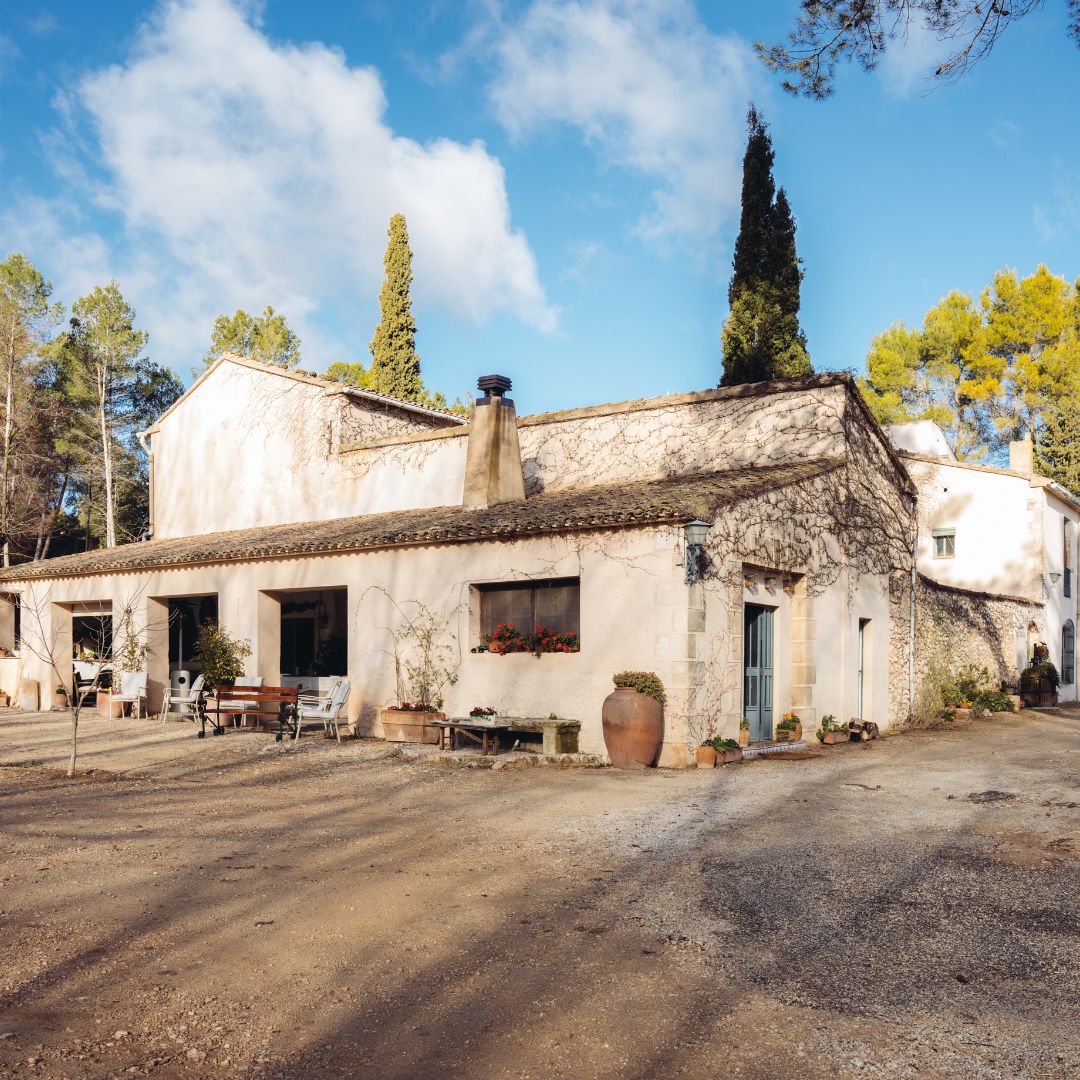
(1055, 577)
(696, 532)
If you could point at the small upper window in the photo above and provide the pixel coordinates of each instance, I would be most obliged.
(944, 543)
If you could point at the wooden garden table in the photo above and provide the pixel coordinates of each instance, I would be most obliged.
(484, 734)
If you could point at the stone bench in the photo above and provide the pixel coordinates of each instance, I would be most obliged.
(560, 736)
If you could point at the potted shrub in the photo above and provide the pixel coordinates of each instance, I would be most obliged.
(633, 720)
(219, 656)
(1039, 683)
(423, 653)
(744, 733)
(727, 751)
(60, 698)
(789, 729)
(705, 755)
(831, 731)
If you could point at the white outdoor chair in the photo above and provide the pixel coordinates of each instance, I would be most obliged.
(132, 690)
(327, 710)
(186, 701)
(237, 707)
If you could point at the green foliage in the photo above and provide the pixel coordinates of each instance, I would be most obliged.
(722, 746)
(395, 364)
(761, 338)
(1039, 671)
(266, 338)
(830, 723)
(218, 655)
(349, 374)
(115, 391)
(972, 686)
(644, 682)
(989, 372)
(830, 32)
(423, 658)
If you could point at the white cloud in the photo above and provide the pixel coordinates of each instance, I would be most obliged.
(911, 59)
(648, 85)
(248, 172)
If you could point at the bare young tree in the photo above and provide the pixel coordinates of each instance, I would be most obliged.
(125, 648)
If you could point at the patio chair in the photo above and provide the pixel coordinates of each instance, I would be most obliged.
(187, 701)
(238, 708)
(132, 690)
(328, 710)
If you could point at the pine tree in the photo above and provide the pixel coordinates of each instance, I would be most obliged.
(395, 364)
(762, 338)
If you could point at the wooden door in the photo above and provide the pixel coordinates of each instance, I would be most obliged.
(758, 671)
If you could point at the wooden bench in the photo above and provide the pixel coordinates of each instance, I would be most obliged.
(275, 704)
(560, 736)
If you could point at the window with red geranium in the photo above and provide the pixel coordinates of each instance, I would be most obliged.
(554, 603)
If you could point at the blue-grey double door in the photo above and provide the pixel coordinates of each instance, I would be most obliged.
(758, 670)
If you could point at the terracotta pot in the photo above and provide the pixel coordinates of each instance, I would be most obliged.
(729, 757)
(705, 757)
(60, 701)
(744, 737)
(107, 707)
(409, 727)
(5, 701)
(633, 728)
(830, 737)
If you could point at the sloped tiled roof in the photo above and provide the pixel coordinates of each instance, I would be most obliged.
(609, 506)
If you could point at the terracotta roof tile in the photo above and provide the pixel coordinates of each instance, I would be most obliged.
(608, 506)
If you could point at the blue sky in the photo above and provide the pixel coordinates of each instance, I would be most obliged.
(569, 170)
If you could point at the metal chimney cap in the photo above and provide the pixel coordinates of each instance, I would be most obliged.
(494, 384)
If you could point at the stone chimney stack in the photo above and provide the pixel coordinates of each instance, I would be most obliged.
(493, 467)
(1022, 457)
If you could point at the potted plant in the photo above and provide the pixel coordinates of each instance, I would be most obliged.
(727, 751)
(705, 755)
(423, 654)
(219, 656)
(744, 733)
(789, 729)
(831, 731)
(60, 698)
(633, 720)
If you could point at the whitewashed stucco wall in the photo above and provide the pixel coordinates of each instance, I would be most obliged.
(998, 521)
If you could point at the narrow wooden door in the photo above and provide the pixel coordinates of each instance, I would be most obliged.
(758, 670)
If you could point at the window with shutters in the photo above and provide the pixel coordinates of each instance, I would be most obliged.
(944, 543)
(554, 604)
(1068, 653)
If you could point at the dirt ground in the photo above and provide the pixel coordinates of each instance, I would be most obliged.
(233, 907)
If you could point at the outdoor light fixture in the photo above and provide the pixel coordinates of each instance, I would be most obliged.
(1055, 577)
(696, 532)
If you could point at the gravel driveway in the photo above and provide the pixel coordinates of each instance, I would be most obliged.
(233, 907)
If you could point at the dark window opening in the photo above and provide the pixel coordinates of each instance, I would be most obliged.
(187, 616)
(314, 633)
(1068, 653)
(554, 604)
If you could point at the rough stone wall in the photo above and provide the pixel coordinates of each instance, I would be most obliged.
(954, 627)
(652, 443)
(360, 419)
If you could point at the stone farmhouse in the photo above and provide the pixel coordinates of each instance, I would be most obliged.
(1000, 545)
(311, 519)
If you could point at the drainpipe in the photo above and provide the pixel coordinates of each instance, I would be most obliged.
(911, 623)
(141, 436)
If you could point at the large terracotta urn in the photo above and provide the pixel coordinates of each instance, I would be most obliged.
(633, 728)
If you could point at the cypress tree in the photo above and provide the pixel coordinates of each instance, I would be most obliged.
(762, 338)
(752, 246)
(395, 364)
